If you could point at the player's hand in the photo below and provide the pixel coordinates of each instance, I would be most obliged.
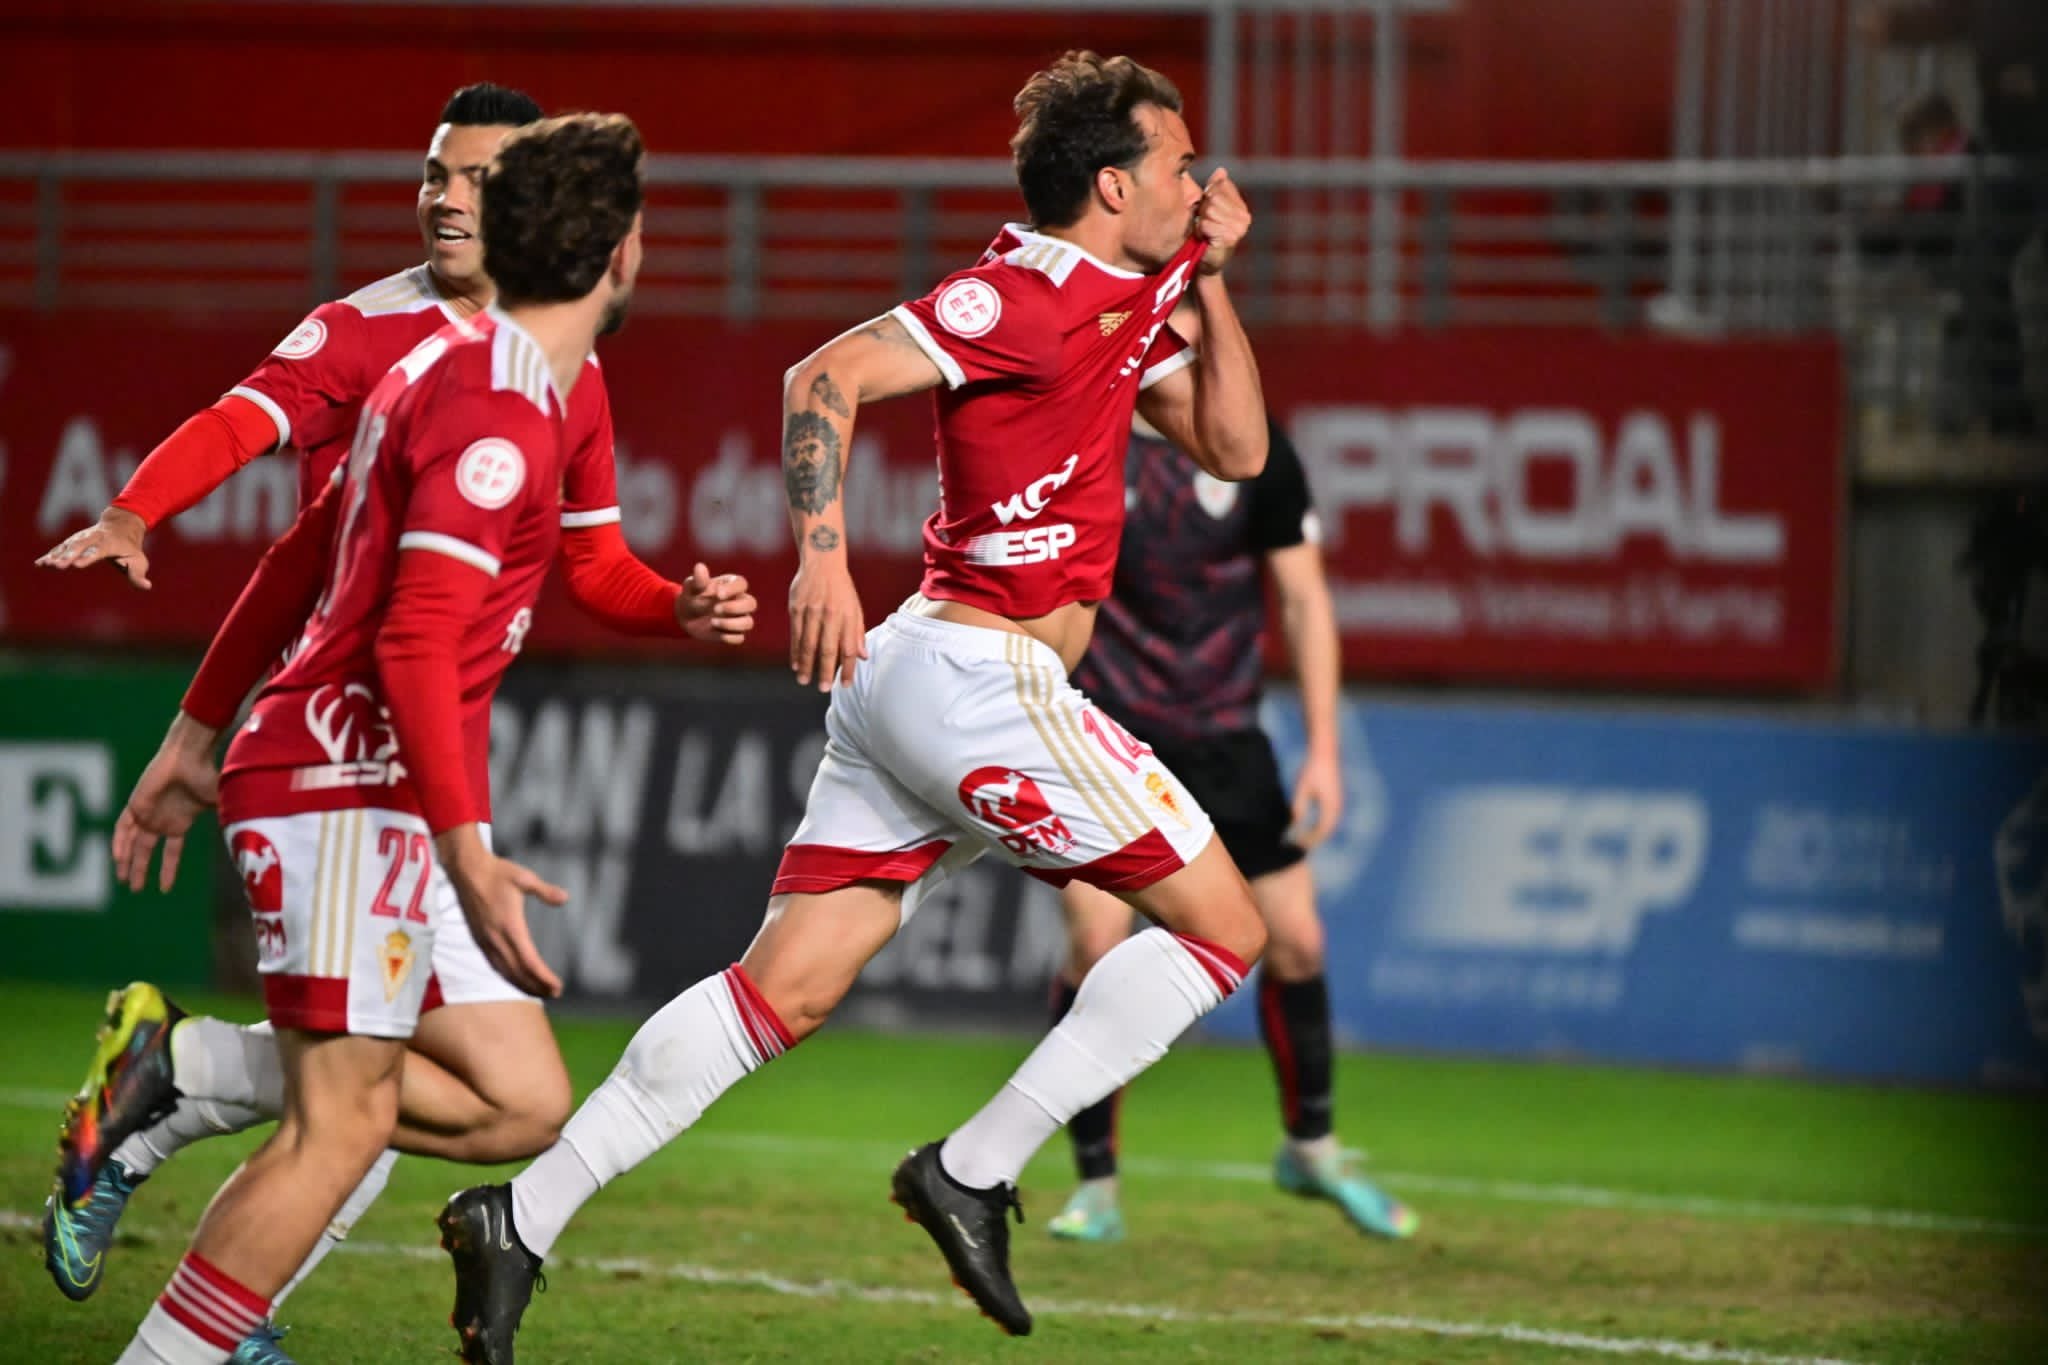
(179, 783)
(715, 610)
(493, 894)
(827, 636)
(116, 538)
(1318, 799)
(1222, 219)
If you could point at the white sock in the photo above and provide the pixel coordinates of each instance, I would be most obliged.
(192, 1120)
(215, 1060)
(1313, 1151)
(359, 1199)
(1141, 996)
(199, 1319)
(682, 1059)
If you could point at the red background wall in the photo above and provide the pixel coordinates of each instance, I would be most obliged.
(1492, 78)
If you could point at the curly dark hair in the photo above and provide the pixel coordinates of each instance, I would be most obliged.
(483, 105)
(557, 200)
(1074, 118)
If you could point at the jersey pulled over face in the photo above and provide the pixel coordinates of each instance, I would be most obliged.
(460, 452)
(1044, 350)
(314, 384)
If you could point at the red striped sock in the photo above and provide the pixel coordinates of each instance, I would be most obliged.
(766, 1033)
(201, 1316)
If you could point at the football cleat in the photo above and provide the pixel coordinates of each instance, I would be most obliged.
(1091, 1215)
(75, 1240)
(969, 1227)
(1341, 1180)
(261, 1347)
(129, 1086)
(495, 1275)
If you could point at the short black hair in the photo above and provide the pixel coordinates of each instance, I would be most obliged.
(1074, 118)
(557, 200)
(483, 105)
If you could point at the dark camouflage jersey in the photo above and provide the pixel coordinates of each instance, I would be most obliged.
(1176, 653)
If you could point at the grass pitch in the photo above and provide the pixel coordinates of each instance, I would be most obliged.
(1568, 1214)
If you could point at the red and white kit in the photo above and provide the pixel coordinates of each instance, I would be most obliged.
(955, 739)
(459, 453)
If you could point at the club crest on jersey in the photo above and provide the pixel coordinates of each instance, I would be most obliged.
(306, 339)
(1017, 808)
(1109, 322)
(1164, 797)
(1217, 496)
(490, 473)
(396, 958)
(969, 308)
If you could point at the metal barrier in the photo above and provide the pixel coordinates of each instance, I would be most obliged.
(1931, 302)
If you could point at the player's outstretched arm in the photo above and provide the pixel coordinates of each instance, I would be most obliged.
(819, 399)
(616, 588)
(193, 461)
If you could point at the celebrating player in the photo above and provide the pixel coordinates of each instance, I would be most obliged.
(1176, 656)
(464, 1097)
(952, 729)
(442, 525)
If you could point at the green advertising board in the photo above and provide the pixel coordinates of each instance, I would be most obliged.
(74, 737)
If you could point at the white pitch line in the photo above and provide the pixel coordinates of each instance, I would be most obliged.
(731, 1278)
(1497, 1191)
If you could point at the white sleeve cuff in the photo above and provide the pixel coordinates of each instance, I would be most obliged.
(269, 405)
(448, 545)
(596, 516)
(1173, 364)
(948, 366)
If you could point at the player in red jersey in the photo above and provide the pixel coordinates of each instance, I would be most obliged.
(465, 1097)
(952, 730)
(436, 538)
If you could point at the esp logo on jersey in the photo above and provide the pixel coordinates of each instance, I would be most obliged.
(1034, 545)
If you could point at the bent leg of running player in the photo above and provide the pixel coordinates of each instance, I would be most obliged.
(1096, 922)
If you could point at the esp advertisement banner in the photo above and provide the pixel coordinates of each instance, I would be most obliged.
(73, 740)
(1563, 507)
(1721, 892)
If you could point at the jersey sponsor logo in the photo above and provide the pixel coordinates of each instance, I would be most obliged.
(355, 733)
(1013, 803)
(1036, 496)
(1216, 496)
(969, 308)
(1033, 545)
(306, 339)
(490, 473)
(516, 629)
(1109, 322)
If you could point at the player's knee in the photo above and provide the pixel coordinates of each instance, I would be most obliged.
(1294, 950)
(531, 1122)
(1242, 932)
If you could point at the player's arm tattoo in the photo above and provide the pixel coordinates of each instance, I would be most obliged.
(826, 394)
(824, 539)
(810, 462)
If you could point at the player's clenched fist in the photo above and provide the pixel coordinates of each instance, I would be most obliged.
(715, 610)
(1221, 219)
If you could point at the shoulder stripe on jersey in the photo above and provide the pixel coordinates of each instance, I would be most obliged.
(269, 405)
(1173, 364)
(409, 291)
(452, 547)
(518, 364)
(1057, 257)
(596, 516)
(949, 367)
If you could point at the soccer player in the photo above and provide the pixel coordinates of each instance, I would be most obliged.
(952, 729)
(443, 524)
(1176, 657)
(464, 1097)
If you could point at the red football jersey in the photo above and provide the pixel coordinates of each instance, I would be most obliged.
(460, 451)
(314, 384)
(1044, 349)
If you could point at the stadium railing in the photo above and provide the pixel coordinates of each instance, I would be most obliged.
(1923, 300)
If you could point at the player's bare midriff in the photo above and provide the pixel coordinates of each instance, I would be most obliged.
(1065, 630)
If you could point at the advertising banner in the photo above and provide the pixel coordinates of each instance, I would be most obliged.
(1557, 507)
(73, 740)
(1720, 892)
